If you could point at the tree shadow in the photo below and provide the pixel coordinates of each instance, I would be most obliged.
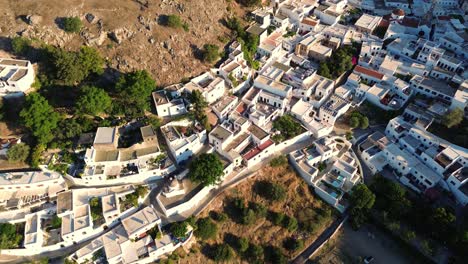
(208, 250)
(60, 22)
(163, 20)
(231, 240)
(196, 52)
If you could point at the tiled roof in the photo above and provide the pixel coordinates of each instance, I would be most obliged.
(253, 152)
(368, 72)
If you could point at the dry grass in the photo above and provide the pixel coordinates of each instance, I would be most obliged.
(263, 232)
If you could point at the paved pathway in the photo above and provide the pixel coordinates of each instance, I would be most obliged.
(306, 253)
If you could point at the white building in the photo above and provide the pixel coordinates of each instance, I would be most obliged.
(168, 107)
(212, 88)
(24, 189)
(15, 76)
(330, 167)
(106, 163)
(184, 138)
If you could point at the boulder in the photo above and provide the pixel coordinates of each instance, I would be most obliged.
(33, 19)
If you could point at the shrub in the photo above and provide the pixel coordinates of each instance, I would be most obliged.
(218, 217)
(206, 229)
(72, 24)
(210, 53)
(259, 209)
(277, 218)
(275, 256)
(222, 253)
(20, 45)
(254, 253)
(18, 153)
(242, 244)
(290, 223)
(174, 21)
(270, 191)
(178, 229)
(279, 161)
(293, 244)
(248, 217)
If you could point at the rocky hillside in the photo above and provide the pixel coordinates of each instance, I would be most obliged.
(128, 33)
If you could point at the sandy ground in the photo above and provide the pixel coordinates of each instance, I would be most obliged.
(351, 246)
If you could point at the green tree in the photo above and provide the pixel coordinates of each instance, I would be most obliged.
(409, 235)
(198, 110)
(206, 169)
(153, 121)
(71, 67)
(453, 118)
(39, 117)
(210, 53)
(18, 153)
(36, 155)
(178, 229)
(68, 129)
(324, 70)
(93, 101)
(361, 201)
(354, 122)
(206, 229)
(20, 45)
(222, 253)
(136, 88)
(141, 191)
(288, 127)
(364, 122)
(362, 197)
(72, 24)
(9, 237)
(56, 222)
(270, 191)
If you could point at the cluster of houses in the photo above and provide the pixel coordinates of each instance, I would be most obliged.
(416, 65)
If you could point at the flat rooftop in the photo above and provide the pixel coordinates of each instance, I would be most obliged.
(105, 135)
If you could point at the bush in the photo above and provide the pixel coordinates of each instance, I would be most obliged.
(18, 153)
(453, 118)
(218, 217)
(56, 222)
(210, 53)
(279, 161)
(270, 191)
(206, 229)
(72, 24)
(358, 120)
(254, 253)
(248, 217)
(259, 209)
(242, 244)
(178, 229)
(222, 253)
(290, 223)
(9, 237)
(293, 244)
(277, 218)
(174, 21)
(275, 256)
(20, 45)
